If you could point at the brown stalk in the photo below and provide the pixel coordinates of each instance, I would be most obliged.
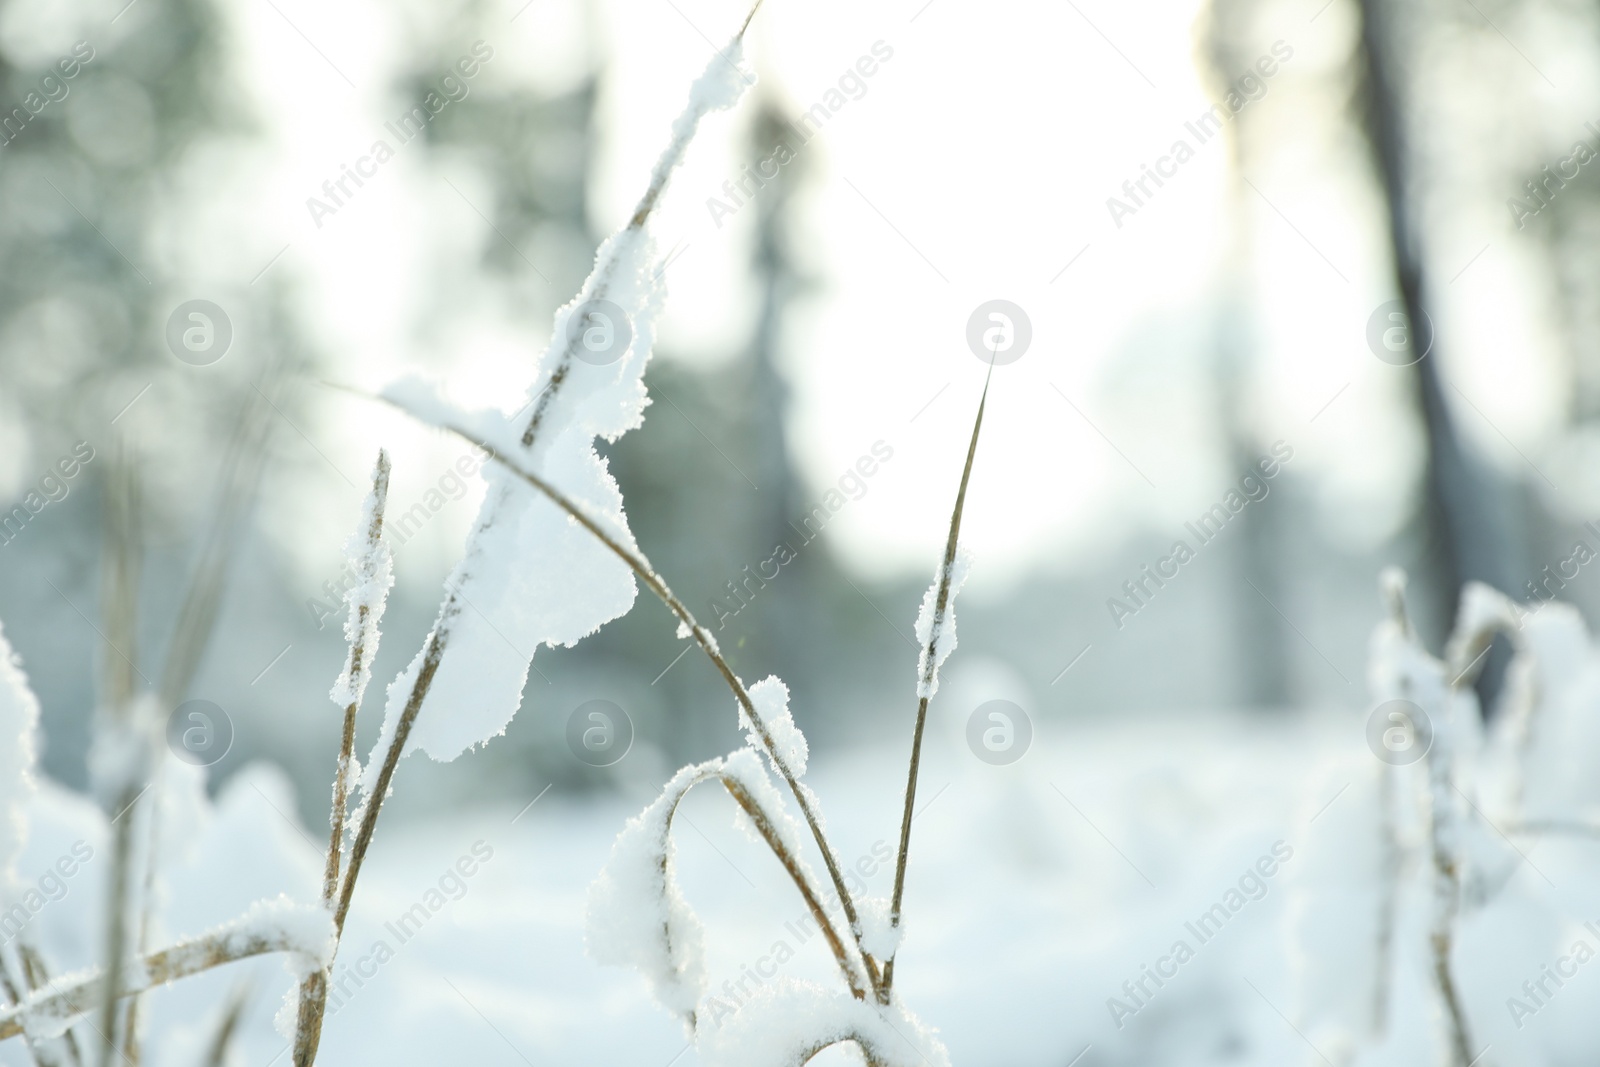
(431, 655)
(791, 864)
(672, 812)
(439, 637)
(702, 637)
(941, 605)
(314, 990)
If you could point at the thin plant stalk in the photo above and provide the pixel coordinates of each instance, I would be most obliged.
(646, 574)
(664, 167)
(439, 638)
(941, 605)
(314, 990)
(432, 652)
(791, 864)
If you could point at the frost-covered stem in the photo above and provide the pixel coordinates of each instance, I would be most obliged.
(702, 637)
(682, 133)
(774, 840)
(314, 990)
(64, 1002)
(431, 655)
(439, 637)
(930, 667)
(791, 863)
(341, 801)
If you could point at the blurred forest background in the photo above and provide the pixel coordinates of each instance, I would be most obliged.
(1417, 123)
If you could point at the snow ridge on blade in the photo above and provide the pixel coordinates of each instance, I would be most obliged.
(530, 576)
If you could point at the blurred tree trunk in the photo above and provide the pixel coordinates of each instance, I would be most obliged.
(1261, 644)
(1463, 528)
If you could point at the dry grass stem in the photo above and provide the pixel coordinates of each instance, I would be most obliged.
(941, 605)
(314, 990)
(702, 637)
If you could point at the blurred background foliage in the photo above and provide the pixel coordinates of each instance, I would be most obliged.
(99, 195)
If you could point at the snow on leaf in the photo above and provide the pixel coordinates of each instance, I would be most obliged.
(879, 936)
(530, 576)
(936, 629)
(745, 767)
(373, 566)
(637, 916)
(398, 691)
(771, 699)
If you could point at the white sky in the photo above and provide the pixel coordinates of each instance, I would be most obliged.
(976, 166)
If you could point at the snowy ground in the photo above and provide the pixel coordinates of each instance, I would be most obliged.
(1036, 891)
